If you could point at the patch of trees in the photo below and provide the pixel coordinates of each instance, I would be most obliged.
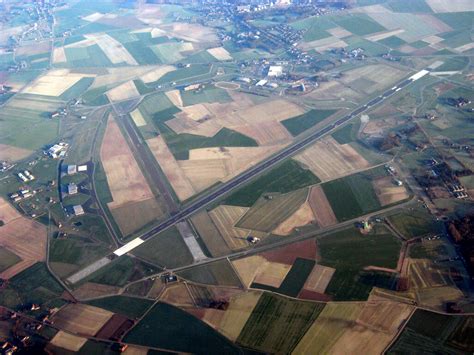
(462, 232)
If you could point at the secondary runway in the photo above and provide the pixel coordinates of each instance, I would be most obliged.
(249, 174)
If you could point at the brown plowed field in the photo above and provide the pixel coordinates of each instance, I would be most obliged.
(248, 267)
(387, 192)
(23, 237)
(11, 153)
(125, 179)
(306, 249)
(224, 218)
(313, 296)
(171, 168)
(81, 319)
(177, 295)
(323, 213)
(115, 327)
(92, 290)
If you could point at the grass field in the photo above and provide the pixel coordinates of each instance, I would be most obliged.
(36, 285)
(208, 94)
(352, 196)
(411, 6)
(216, 273)
(414, 223)
(299, 124)
(346, 134)
(286, 177)
(184, 74)
(169, 327)
(7, 259)
(453, 64)
(349, 251)
(122, 271)
(157, 250)
(277, 323)
(128, 306)
(358, 24)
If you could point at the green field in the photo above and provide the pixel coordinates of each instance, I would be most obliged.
(360, 24)
(123, 270)
(294, 280)
(157, 250)
(430, 332)
(299, 124)
(169, 327)
(392, 42)
(288, 176)
(351, 196)
(182, 75)
(346, 134)
(349, 251)
(7, 259)
(277, 323)
(91, 56)
(205, 95)
(453, 64)
(217, 273)
(457, 20)
(36, 285)
(409, 6)
(128, 306)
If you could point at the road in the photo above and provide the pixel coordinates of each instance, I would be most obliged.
(263, 166)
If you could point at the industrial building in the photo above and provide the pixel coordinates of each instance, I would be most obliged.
(58, 150)
(72, 189)
(78, 210)
(275, 71)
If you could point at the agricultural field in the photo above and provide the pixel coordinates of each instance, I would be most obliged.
(268, 328)
(428, 330)
(350, 252)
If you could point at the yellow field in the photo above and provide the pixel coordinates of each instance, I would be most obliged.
(122, 74)
(331, 324)
(247, 268)
(93, 17)
(178, 180)
(125, 91)
(272, 274)
(303, 216)
(68, 341)
(324, 44)
(125, 179)
(328, 159)
(220, 53)
(225, 217)
(239, 311)
(112, 48)
(137, 118)
(191, 32)
(177, 295)
(92, 290)
(383, 35)
(81, 319)
(339, 32)
(157, 73)
(59, 56)
(54, 82)
(450, 5)
(175, 97)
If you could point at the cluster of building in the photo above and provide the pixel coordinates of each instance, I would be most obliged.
(26, 176)
(391, 170)
(458, 191)
(21, 195)
(5, 166)
(74, 169)
(58, 150)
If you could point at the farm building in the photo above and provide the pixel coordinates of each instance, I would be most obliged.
(72, 189)
(58, 150)
(275, 71)
(78, 210)
(71, 169)
(82, 168)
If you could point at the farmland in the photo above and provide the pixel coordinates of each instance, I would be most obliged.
(268, 327)
(349, 252)
(169, 327)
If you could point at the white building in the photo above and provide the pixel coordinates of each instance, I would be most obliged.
(78, 210)
(275, 71)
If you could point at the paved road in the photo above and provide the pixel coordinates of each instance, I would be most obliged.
(249, 174)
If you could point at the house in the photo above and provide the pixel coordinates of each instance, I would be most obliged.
(71, 169)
